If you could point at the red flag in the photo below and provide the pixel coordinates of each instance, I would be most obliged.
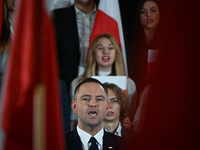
(32, 66)
(108, 20)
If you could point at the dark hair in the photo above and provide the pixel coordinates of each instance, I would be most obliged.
(5, 29)
(139, 48)
(122, 100)
(89, 80)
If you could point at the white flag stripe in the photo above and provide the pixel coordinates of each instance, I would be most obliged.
(120, 81)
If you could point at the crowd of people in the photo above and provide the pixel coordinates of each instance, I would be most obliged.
(98, 115)
(104, 57)
(73, 26)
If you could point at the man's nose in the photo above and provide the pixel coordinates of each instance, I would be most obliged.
(93, 103)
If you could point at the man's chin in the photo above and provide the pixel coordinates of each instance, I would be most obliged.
(94, 123)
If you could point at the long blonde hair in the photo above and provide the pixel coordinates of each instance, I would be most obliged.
(91, 66)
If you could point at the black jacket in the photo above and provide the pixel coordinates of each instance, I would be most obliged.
(110, 140)
(67, 43)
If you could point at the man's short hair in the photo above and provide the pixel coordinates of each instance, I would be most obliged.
(87, 80)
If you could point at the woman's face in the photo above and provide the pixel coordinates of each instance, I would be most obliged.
(12, 4)
(149, 15)
(105, 54)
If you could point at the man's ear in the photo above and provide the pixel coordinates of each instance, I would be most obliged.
(74, 107)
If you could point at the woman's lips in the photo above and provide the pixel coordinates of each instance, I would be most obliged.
(105, 58)
(148, 21)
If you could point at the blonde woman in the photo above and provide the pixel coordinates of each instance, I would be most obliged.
(104, 59)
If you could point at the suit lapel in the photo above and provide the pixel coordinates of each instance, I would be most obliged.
(72, 25)
(107, 142)
(74, 142)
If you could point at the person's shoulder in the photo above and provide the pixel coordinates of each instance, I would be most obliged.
(63, 19)
(128, 133)
(110, 137)
(129, 80)
(117, 142)
(63, 10)
(75, 82)
(72, 140)
(70, 134)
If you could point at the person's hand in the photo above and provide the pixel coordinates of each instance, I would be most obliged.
(127, 123)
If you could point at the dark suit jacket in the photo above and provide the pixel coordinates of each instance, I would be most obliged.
(109, 140)
(65, 106)
(67, 43)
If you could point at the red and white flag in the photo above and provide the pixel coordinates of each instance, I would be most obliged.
(108, 20)
(30, 107)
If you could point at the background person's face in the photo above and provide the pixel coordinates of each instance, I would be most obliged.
(91, 105)
(83, 2)
(12, 4)
(149, 15)
(105, 54)
(114, 109)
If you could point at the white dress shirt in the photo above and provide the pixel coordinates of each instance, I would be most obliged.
(85, 138)
(85, 24)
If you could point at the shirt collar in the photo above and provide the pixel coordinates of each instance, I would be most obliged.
(118, 131)
(79, 11)
(85, 137)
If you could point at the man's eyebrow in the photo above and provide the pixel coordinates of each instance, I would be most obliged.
(85, 96)
(100, 96)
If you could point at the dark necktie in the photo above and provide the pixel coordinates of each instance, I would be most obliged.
(93, 144)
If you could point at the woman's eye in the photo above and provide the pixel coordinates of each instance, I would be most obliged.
(100, 48)
(110, 48)
(154, 10)
(142, 12)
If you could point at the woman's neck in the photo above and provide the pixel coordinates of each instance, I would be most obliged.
(111, 126)
(149, 34)
(12, 16)
(105, 68)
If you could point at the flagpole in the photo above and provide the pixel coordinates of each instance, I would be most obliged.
(39, 118)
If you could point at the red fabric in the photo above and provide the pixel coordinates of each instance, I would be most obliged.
(32, 61)
(105, 24)
(170, 119)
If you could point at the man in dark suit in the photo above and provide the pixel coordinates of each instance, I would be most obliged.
(72, 34)
(91, 106)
